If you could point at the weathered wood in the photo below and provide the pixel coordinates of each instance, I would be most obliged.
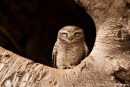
(111, 51)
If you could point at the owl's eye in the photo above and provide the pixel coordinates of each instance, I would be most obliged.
(64, 34)
(77, 34)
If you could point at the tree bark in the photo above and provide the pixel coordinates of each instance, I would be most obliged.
(100, 69)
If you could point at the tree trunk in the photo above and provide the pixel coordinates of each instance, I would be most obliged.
(106, 66)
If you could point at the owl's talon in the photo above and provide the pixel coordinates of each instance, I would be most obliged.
(63, 67)
(71, 67)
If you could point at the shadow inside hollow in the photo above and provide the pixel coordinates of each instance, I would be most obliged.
(34, 25)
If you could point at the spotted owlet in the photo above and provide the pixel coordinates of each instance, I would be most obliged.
(69, 48)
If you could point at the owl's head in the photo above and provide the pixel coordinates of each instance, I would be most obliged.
(71, 34)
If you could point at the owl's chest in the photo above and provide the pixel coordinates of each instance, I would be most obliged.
(71, 51)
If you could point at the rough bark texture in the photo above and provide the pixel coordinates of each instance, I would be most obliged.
(107, 65)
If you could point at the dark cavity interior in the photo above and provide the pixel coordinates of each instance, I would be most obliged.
(29, 27)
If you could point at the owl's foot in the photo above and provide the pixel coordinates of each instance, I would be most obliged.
(63, 67)
(71, 67)
(67, 67)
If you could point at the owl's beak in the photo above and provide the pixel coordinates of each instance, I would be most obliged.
(70, 38)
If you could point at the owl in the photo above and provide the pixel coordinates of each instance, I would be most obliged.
(70, 47)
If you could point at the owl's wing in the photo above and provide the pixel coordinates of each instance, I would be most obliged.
(86, 50)
(54, 55)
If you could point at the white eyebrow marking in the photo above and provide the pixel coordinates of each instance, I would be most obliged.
(78, 31)
(64, 31)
